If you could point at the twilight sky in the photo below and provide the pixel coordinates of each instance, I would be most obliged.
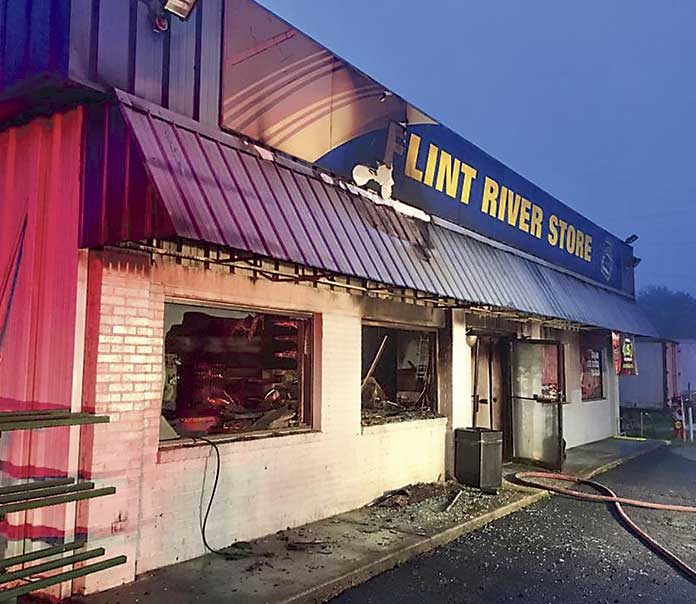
(594, 101)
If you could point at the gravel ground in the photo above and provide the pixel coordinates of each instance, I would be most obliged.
(428, 515)
(562, 550)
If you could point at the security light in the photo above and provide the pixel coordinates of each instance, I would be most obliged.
(180, 8)
(631, 239)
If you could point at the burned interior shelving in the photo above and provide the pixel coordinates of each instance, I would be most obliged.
(235, 370)
(398, 374)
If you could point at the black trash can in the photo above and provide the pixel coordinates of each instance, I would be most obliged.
(478, 458)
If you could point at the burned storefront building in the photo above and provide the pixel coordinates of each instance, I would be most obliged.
(239, 237)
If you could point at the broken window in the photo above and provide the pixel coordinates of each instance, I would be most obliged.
(398, 374)
(230, 371)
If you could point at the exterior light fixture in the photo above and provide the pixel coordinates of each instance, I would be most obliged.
(636, 261)
(180, 8)
(471, 339)
(631, 239)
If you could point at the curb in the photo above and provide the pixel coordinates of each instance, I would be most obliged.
(655, 445)
(332, 588)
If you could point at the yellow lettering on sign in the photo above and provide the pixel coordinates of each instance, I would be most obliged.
(449, 171)
(553, 230)
(535, 227)
(489, 203)
(469, 177)
(502, 202)
(579, 244)
(411, 170)
(570, 239)
(430, 164)
(561, 240)
(514, 209)
(444, 172)
(524, 215)
(505, 196)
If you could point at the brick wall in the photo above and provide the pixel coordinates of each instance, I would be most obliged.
(122, 379)
(266, 484)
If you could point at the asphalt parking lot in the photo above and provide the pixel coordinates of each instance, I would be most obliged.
(562, 550)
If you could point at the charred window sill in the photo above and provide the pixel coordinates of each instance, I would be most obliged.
(191, 448)
(404, 423)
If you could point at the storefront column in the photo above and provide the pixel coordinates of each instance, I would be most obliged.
(455, 380)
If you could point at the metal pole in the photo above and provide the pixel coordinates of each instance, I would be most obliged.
(683, 420)
(641, 424)
(691, 424)
(474, 395)
(490, 384)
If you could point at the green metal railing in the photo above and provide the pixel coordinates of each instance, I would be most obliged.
(45, 493)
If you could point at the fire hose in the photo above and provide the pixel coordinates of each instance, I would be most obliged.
(611, 497)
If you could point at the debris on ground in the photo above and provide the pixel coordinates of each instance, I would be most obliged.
(409, 495)
(454, 501)
(376, 416)
(305, 544)
(427, 508)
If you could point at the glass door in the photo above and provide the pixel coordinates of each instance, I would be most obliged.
(537, 393)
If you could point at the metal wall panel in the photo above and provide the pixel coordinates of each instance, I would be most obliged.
(182, 64)
(113, 44)
(149, 58)
(40, 166)
(33, 40)
(645, 390)
(686, 355)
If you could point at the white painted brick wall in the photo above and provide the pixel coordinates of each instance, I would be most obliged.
(266, 484)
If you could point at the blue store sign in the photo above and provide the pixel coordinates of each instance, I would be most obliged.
(445, 175)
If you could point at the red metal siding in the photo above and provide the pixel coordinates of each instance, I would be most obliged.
(39, 220)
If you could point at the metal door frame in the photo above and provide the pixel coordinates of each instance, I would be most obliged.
(559, 401)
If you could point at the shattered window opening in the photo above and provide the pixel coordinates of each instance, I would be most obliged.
(399, 375)
(229, 371)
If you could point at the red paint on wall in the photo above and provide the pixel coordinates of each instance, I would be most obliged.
(40, 197)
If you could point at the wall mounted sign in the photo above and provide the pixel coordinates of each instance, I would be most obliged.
(623, 350)
(284, 89)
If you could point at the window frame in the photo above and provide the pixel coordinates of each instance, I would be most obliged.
(311, 394)
(409, 327)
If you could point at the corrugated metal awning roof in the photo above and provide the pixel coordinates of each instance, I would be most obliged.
(218, 189)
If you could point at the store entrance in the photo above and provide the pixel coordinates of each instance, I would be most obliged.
(537, 393)
(490, 379)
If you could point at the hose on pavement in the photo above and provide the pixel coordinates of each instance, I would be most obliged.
(527, 479)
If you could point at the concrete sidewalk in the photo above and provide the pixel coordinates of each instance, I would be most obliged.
(316, 562)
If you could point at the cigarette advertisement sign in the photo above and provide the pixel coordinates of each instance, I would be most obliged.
(285, 90)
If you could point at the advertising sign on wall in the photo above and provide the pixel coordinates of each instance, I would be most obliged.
(623, 350)
(283, 89)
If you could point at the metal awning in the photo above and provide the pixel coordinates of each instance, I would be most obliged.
(209, 186)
